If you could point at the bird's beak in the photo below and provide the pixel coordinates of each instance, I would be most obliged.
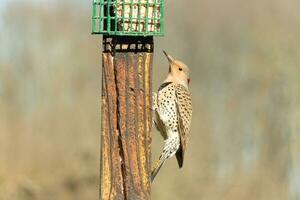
(170, 58)
(189, 81)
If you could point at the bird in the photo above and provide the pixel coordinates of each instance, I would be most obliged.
(172, 106)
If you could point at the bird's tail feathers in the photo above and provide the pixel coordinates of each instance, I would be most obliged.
(156, 168)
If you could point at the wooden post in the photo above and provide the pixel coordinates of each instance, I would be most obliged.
(126, 118)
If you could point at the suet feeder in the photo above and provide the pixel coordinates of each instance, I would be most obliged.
(128, 17)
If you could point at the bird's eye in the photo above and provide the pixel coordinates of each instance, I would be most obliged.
(180, 69)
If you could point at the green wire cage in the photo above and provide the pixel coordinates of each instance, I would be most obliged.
(128, 17)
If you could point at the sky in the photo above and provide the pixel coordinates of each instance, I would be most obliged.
(2, 4)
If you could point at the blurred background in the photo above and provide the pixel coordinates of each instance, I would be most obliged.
(245, 63)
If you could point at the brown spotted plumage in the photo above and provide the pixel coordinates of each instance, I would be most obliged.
(173, 113)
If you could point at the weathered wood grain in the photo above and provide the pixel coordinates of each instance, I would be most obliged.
(126, 118)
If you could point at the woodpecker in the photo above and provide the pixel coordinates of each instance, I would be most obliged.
(172, 107)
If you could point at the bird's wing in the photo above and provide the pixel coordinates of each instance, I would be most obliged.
(184, 113)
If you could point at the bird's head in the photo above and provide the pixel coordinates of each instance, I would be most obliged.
(178, 71)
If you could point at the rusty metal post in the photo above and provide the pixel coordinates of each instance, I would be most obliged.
(126, 118)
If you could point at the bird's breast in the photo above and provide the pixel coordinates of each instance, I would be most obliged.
(167, 106)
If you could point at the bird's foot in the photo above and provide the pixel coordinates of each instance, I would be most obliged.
(154, 101)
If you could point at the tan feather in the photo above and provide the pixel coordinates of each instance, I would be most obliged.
(184, 108)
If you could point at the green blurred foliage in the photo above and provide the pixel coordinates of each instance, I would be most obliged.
(244, 58)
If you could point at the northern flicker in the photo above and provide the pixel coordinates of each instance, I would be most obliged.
(173, 113)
